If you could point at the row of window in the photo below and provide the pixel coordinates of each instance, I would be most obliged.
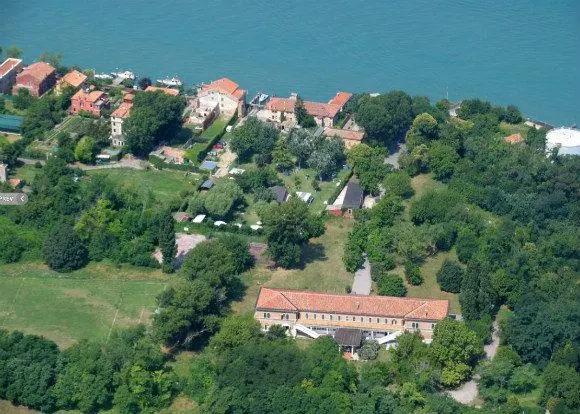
(285, 316)
(348, 318)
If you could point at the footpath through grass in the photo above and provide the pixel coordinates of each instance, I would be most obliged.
(87, 303)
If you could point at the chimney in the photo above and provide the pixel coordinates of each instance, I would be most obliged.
(357, 305)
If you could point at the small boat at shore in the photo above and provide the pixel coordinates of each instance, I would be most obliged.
(170, 82)
(124, 75)
(103, 76)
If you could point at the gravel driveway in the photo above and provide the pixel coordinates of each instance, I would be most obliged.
(361, 285)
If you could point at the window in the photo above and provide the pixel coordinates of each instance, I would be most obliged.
(306, 316)
(370, 320)
(347, 318)
(378, 320)
(394, 322)
(315, 316)
(323, 316)
(361, 319)
(265, 315)
(432, 326)
(282, 316)
(339, 317)
(331, 317)
(415, 325)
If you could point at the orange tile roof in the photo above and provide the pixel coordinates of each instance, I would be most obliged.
(344, 134)
(74, 78)
(514, 139)
(385, 306)
(281, 104)
(123, 110)
(8, 65)
(92, 96)
(321, 110)
(38, 70)
(168, 91)
(226, 85)
(340, 99)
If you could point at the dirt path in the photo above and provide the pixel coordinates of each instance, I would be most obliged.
(467, 393)
(226, 159)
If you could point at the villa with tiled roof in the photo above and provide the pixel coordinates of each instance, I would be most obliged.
(38, 78)
(314, 313)
(74, 79)
(227, 94)
(325, 114)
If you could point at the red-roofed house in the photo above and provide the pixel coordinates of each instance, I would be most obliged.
(349, 137)
(38, 78)
(314, 313)
(340, 99)
(8, 71)
(325, 114)
(74, 79)
(168, 91)
(118, 117)
(93, 102)
(227, 94)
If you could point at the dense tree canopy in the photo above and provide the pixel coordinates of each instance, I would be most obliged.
(288, 227)
(63, 251)
(254, 137)
(155, 117)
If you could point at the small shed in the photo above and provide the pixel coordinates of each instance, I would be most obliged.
(209, 165)
(306, 197)
(237, 171)
(206, 185)
(280, 193)
(181, 217)
(353, 197)
(199, 218)
(219, 223)
(348, 338)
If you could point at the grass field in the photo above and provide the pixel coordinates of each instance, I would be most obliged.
(27, 173)
(86, 303)
(165, 184)
(323, 269)
(430, 288)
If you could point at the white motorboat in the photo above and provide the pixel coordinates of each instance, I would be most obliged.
(170, 82)
(124, 75)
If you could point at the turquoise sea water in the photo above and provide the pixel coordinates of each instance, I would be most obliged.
(522, 52)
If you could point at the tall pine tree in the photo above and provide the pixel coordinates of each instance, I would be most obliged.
(167, 241)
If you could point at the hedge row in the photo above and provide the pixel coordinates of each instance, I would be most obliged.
(202, 154)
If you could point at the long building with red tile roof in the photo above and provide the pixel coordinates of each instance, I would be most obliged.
(349, 137)
(325, 114)
(325, 313)
(38, 78)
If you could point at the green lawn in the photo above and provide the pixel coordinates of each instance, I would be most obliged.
(86, 303)
(165, 184)
(508, 129)
(214, 129)
(27, 173)
(323, 269)
(430, 288)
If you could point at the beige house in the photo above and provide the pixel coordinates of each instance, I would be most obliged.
(203, 112)
(117, 118)
(279, 110)
(74, 79)
(227, 94)
(349, 137)
(8, 71)
(383, 318)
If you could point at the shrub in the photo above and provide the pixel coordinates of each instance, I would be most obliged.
(369, 350)
(450, 276)
(11, 247)
(398, 183)
(391, 285)
(413, 274)
(63, 251)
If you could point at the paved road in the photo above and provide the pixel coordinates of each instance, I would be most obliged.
(395, 151)
(361, 285)
(467, 393)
